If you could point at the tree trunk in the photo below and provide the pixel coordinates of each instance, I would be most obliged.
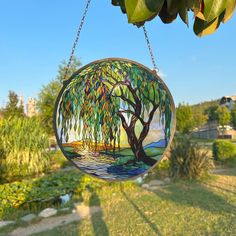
(137, 147)
(141, 156)
(135, 143)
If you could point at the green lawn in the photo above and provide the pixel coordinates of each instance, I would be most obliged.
(180, 208)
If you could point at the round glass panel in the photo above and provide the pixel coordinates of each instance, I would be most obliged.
(114, 119)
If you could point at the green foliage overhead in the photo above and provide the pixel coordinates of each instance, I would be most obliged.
(22, 148)
(14, 107)
(48, 94)
(208, 14)
(223, 149)
(184, 118)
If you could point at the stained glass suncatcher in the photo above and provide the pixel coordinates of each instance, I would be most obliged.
(114, 119)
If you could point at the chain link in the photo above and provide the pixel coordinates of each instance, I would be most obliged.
(76, 39)
(78, 35)
(150, 49)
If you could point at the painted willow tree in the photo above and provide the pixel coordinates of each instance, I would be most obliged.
(104, 96)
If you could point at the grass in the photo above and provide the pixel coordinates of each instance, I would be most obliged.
(180, 208)
(58, 160)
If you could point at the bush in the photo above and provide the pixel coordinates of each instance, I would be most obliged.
(223, 149)
(188, 160)
(29, 192)
(23, 147)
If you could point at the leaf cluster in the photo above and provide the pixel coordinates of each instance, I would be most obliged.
(208, 14)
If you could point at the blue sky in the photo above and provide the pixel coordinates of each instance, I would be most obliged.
(35, 36)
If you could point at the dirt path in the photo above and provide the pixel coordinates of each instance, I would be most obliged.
(53, 222)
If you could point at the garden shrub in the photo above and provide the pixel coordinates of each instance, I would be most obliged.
(188, 160)
(23, 145)
(16, 194)
(223, 150)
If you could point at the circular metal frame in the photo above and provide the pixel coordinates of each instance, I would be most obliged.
(65, 83)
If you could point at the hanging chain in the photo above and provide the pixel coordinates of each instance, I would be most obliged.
(150, 50)
(78, 35)
(76, 39)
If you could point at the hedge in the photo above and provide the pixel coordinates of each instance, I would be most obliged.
(223, 150)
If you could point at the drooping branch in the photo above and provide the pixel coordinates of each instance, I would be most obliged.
(151, 114)
(107, 81)
(133, 92)
(124, 123)
(117, 85)
(134, 114)
(150, 100)
(122, 96)
(111, 76)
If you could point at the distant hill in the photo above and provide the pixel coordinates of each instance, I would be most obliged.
(204, 111)
(201, 107)
(160, 144)
(201, 114)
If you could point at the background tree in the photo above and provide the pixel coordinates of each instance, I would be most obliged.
(223, 115)
(208, 14)
(75, 65)
(14, 107)
(233, 116)
(184, 118)
(211, 112)
(49, 93)
(199, 118)
(107, 95)
(45, 104)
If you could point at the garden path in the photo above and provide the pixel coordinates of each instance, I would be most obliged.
(53, 222)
